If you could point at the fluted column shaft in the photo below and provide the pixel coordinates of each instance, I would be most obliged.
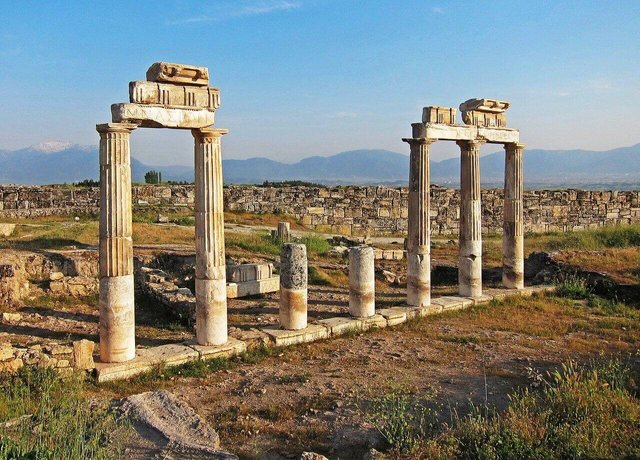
(513, 231)
(117, 321)
(470, 258)
(211, 289)
(419, 226)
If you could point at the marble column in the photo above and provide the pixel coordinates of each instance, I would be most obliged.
(470, 257)
(419, 226)
(513, 236)
(293, 286)
(211, 285)
(116, 301)
(362, 282)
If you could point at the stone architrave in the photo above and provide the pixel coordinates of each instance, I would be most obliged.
(211, 290)
(419, 225)
(117, 324)
(159, 116)
(293, 286)
(147, 92)
(513, 235)
(362, 282)
(470, 258)
(185, 74)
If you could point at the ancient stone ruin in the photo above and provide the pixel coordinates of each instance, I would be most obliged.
(173, 96)
(485, 122)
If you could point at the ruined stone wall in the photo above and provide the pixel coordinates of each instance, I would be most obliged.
(350, 210)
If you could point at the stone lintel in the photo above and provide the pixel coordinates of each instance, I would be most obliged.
(436, 131)
(159, 116)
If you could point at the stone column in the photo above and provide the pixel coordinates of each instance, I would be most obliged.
(211, 284)
(470, 258)
(117, 322)
(293, 286)
(513, 236)
(284, 232)
(362, 282)
(419, 225)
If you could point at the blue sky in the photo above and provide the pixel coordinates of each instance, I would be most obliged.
(316, 77)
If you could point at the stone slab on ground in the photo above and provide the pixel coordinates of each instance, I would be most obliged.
(233, 347)
(283, 337)
(484, 298)
(172, 426)
(376, 321)
(394, 315)
(341, 325)
(146, 359)
(452, 302)
(256, 287)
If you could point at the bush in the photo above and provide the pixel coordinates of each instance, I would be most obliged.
(573, 286)
(584, 412)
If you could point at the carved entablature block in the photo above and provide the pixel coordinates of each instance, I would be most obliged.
(484, 112)
(146, 92)
(168, 72)
(442, 115)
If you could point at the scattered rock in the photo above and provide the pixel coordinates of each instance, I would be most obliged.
(7, 229)
(83, 354)
(162, 418)
(11, 318)
(54, 276)
(162, 219)
(312, 456)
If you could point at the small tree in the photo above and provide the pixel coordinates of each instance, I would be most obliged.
(152, 177)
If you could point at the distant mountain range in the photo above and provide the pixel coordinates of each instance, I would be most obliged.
(60, 163)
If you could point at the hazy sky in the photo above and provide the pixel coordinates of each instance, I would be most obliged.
(316, 77)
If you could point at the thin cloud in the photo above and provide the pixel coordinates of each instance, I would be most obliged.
(233, 11)
(437, 10)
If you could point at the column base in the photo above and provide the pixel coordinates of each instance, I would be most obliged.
(211, 312)
(117, 319)
(293, 308)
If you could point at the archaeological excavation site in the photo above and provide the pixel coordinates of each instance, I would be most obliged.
(298, 320)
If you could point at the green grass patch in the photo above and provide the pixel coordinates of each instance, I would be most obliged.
(606, 237)
(53, 419)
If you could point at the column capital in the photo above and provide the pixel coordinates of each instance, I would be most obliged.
(115, 127)
(471, 143)
(514, 145)
(206, 135)
(418, 140)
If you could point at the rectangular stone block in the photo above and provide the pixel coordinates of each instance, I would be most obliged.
(233, 347)
(283, 338)
(452, 302)
(395, 315)
(158, 116)
(373, 322)
(341, 325)
(146, 359)
(146, 92)
(186, 74)
(249, 288)
(248, 272)
(435, 114)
